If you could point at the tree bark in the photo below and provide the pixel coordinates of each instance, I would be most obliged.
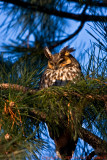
(97, 143)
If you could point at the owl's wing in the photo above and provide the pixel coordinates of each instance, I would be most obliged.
(41, 83)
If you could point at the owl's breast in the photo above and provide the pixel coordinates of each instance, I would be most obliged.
(59, 77)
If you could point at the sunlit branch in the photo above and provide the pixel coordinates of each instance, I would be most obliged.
(16, 87)
(55, 12)
(20, 88)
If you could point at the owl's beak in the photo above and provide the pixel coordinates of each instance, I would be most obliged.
(56, 67)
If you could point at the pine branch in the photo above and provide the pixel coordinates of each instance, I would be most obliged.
(16, 87)
(55, 12)
(97, 143)
(20, 88)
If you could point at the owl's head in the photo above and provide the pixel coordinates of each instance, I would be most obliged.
(58, 60)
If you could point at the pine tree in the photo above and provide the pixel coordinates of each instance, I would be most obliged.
(25, 111)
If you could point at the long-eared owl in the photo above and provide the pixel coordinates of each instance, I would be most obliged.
(62, 67)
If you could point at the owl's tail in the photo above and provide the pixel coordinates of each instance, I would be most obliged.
(65, 145)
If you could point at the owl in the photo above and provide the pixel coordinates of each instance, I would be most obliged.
(62, 67)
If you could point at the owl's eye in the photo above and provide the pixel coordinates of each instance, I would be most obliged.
(51, 63)
(63, 60)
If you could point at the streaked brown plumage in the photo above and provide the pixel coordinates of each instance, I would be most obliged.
(62, 67)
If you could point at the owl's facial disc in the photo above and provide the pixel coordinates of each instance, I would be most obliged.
(66, 61)
(51, 65)
(59, 63)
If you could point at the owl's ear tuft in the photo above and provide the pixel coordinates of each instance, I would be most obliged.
(47, 53)
(66, 51)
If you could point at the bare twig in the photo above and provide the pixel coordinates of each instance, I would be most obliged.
(90, 3)
(55, 12)
(68, 38)
(72, 35)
